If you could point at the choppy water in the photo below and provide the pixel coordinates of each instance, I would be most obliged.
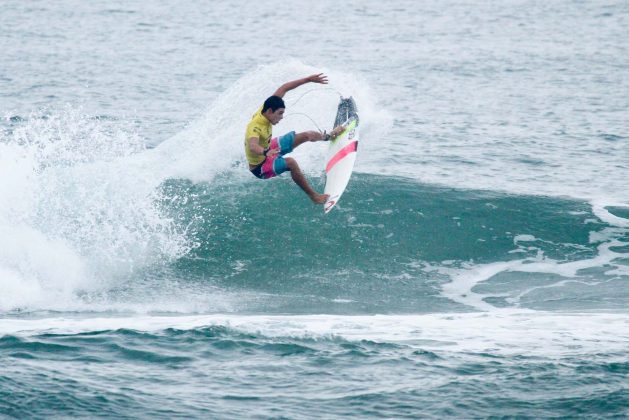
(477, 266)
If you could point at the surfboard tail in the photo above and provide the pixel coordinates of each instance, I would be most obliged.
(346, 111)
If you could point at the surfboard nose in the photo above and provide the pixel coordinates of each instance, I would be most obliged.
(346, 110)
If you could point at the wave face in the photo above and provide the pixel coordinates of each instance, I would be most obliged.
(395, 246)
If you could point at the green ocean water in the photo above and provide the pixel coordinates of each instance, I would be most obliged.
(377, 250)
(223, 372)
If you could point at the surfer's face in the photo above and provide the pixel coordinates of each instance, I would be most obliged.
(275, 117)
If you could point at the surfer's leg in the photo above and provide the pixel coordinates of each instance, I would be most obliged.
(300, 179)
(286, 143)
(306, 136)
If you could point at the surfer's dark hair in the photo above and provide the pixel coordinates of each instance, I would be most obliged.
(273, 103)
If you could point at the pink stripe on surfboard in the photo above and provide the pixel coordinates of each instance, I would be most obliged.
(341, 154)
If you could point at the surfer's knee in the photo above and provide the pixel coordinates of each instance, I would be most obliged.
(291, 163)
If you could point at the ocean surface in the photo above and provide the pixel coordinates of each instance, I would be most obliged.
(477, 266)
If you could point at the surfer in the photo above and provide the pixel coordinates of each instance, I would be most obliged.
(266, 155)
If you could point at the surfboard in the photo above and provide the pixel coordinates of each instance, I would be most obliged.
(341, 153)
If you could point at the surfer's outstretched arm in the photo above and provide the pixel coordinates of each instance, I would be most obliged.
(315, 78)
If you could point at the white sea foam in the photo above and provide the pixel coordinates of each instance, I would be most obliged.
(215, 143)
(75, 214)
(502, 332)
(465, 279)
(600, 209)
(524, 238)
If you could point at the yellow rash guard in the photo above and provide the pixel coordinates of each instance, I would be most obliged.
(261, 128)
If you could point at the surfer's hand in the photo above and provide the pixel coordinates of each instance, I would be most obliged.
(337, 130)
(270, 152)
(318, 78)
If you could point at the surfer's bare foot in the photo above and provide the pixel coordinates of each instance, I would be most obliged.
(319, 198)
(332, 134)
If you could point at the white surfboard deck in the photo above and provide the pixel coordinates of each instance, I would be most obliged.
(340, 163)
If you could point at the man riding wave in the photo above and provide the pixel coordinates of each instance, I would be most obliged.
(265, 153)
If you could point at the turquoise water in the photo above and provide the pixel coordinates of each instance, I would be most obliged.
(224, 372)
(476, 267)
